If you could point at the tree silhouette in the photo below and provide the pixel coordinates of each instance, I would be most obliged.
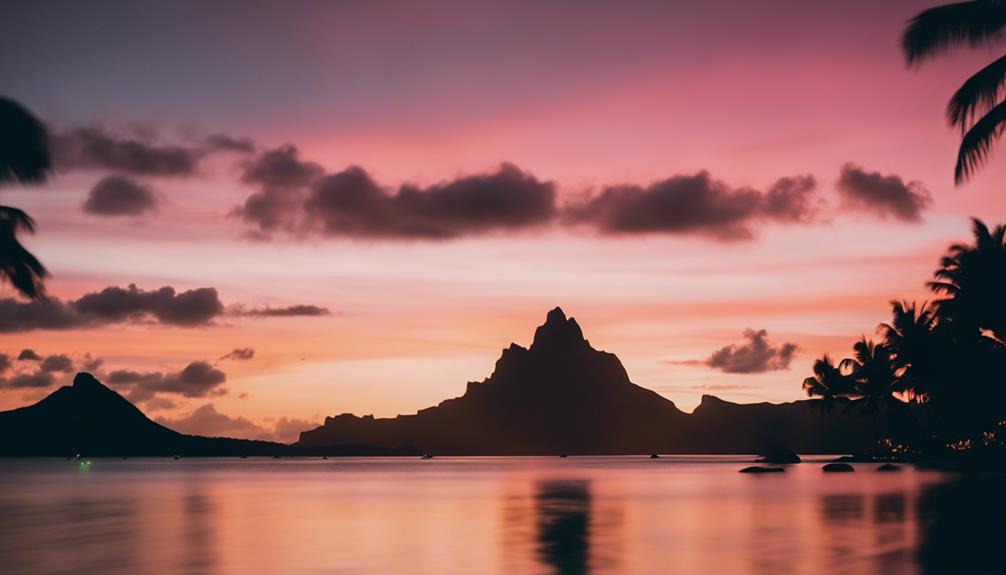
(976, 108)
(948, 355)
(24, 158)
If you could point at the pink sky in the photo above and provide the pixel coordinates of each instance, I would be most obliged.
(582, 96)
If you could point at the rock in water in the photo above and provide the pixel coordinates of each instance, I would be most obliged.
(759, 469)
(838, 468)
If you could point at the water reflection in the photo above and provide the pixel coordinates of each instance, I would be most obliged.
(200, 538)
(562, 510)
(461, 516)
(963, 526)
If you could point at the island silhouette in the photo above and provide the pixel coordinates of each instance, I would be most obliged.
(558, 396)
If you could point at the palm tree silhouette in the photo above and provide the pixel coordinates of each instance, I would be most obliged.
(976, 108)
(24, 158)
(828, 383)
(973, 279)
(872, 373)
(915, 353)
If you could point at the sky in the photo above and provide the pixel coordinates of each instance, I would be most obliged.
(355, 206)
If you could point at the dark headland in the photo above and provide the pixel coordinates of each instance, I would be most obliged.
(560, 395)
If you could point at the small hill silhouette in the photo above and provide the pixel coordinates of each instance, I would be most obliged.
(561, 395)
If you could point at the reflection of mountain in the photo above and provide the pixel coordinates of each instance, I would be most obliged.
(563, 525)
(561, 395)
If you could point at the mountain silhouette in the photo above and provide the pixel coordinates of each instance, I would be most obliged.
(560, 395)
(89, 418)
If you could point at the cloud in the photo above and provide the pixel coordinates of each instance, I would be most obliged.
(226, 143)
(350, 203)
(758, 355)
(288, 430)
(298, 198)
(5, 363)
(92, 147)
(197, 379)
(28, 355)
(695, 204)
(240, 354)
(116, 304)
(288, 311)
(96, 148)
(119, 196)
(885, 196)
(49, 313)
(112, 305)
(59, 363)
(206, 420)
(38, 379)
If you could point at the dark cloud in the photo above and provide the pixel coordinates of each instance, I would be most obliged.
(5, 363)
(28, 355)
(197, 379)
(226, 143)
(758, 355)
(115, 304)
(92, 147)
(91, 364)
(165, 306)
(296, 197)
(281, 168)
(350, 203)
(58, 363)
(695, 204)
(240, 354)
(119, 196)
(886, 196)
(288, 311)
(792, 199)
(145, 154)
(36, 380)
(48, 313)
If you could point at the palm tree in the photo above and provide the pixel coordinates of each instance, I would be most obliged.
(976, 108)
(973, 280)
(828, 383)
(24, 158)
(872, 373)
(915, 352)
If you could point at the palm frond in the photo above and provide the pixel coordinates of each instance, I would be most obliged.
(977, 95)
(24, 145)
(976, 145)
(936, 30)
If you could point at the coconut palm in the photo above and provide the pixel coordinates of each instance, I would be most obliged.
(977, 108)
(828, 383)
(872, 373)
(24, 158)
(973, 280)
(914, 349)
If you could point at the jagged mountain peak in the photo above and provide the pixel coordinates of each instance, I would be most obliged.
(558, 333)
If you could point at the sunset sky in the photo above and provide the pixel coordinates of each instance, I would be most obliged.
(385, 195)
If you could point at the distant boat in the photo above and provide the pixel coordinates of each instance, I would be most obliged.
(563, 455)
(177, 458)
(427, 456)
(654, 456)
(244, 457)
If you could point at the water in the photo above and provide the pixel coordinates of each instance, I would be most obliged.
(491, 515)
